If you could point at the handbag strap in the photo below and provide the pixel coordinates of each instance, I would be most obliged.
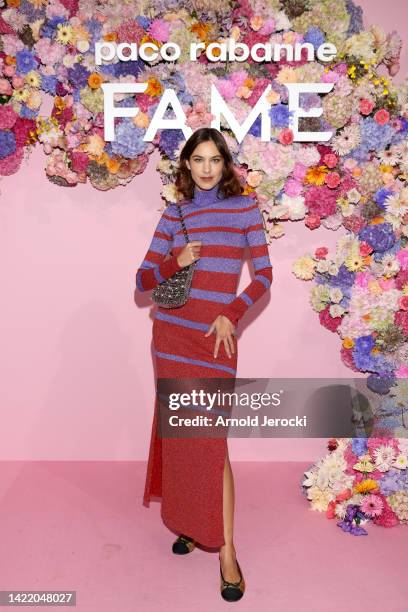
(183, 225)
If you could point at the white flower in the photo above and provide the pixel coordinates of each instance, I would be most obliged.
(395, 205)
(390, 157)
(336, 310)
(295, 206)
(320, 499)
(310, 479)
(390, 265)
(384, 457)
(336, 295)
(333, 269)
(401, 461)
(322, 266)
(354, 196)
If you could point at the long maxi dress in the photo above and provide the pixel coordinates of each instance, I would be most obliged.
(187, 473)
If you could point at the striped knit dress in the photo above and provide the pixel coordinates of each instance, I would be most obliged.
(187, 473)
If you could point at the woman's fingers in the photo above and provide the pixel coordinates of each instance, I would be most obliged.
(227, 347)
(210, 330)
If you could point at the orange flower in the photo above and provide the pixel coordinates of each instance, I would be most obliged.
(201, 29)
(366, 317)
(10, 60)
(377, 220)
(59, 103)
(316, 175)
(94, 80)
(112, 165)
(154, 87)
(13, 3)
(110, 36)
(348, 343)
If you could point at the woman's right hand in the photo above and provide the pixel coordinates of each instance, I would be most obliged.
(190, 253)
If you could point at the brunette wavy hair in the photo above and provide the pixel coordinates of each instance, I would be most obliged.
(229, 183)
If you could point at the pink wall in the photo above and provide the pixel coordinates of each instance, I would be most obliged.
(76, 365)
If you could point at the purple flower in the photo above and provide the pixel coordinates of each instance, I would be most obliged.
(7, 143)
(78, 75)
(25, 61)
(279, 114)
(315, 36)
(380, 237)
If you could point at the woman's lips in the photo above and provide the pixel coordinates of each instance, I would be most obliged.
(206, 178)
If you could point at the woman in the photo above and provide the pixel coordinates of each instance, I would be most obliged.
(193, 476)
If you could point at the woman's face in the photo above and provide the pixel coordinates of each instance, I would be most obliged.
(206, 165)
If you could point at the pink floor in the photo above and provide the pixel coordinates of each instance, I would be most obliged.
(82, 526)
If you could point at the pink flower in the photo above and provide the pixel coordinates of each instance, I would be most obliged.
(386, 283)
(159, 29)
(366, 106)
(329, 322)
(11, 163)
(372, 505)
(365, 249)
(299, 171)
(387, 518)
(5, 87)
(321, 252)
(321, 201)
(354, 223)
(382, 116)
(330, 159)
(312, 221)
(332, 179)
(402, 372)
(347, 358)
(7, 117)
(402, 257)
(401, 319)
(403, 302)
(286, 136)
(293, 188)
(361, 279)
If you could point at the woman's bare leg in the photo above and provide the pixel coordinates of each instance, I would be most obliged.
(227, 552)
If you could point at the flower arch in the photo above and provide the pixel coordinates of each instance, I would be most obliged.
(356, 181)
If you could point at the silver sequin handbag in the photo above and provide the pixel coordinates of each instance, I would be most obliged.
(173, 292)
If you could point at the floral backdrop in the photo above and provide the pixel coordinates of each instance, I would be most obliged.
(356, 182)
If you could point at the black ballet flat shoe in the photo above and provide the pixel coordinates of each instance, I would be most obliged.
(232, 591)
(183, 545)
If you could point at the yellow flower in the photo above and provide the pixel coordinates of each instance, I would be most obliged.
(304, 267)
(354, 262)
(21, 95)
(64, 34)
(316, 175)
(33, 78)
(369, 484)
(94, 80)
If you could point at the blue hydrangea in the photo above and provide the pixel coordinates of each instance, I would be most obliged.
(364, 344)
(389, 482)
(359, 446)
(170, 141)
(28, 113)
(7, 143)
(279, 114)
(380, 383)
(380, 237)
(315, 36)
(381, 195)
(78, 75)
(375, 137)
(344, 278)
(25, 61)
(144, 22)
(48, 84)
(49, 27)
(255, 129)
(128, 139)
(356, 18)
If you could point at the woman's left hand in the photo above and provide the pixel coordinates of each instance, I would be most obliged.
(224, 330)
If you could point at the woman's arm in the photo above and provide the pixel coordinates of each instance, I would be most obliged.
(258, 247)
(154, 269)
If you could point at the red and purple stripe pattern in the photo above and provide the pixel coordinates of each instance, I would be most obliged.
(225, 227)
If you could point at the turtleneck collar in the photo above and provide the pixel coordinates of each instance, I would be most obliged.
(202, 197)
